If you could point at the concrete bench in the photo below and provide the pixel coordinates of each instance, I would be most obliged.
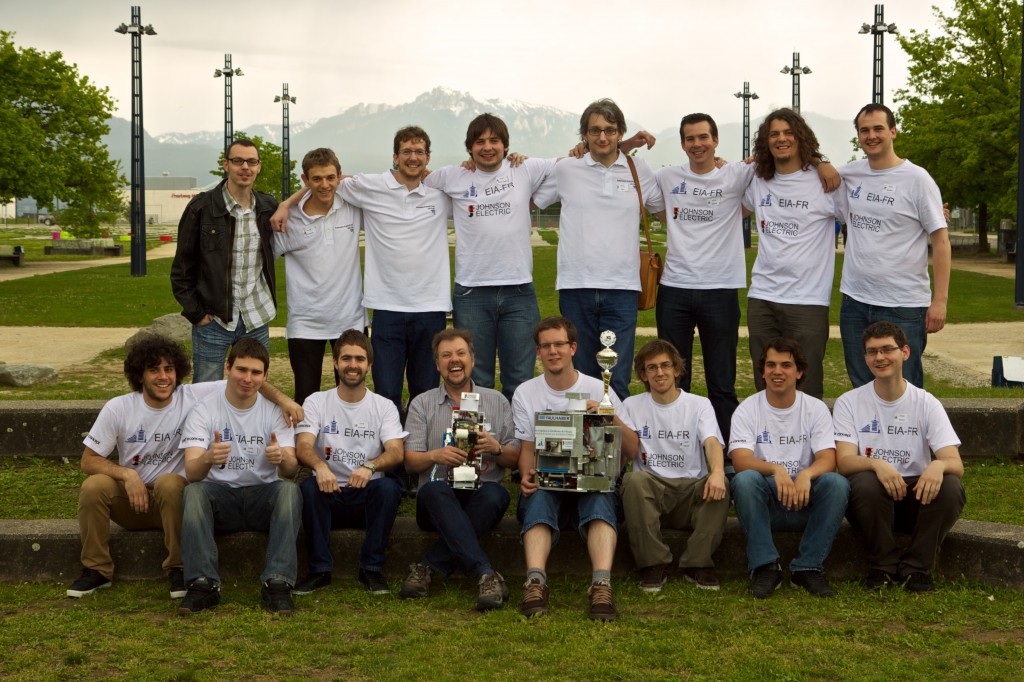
(48, 550)
(17, 258)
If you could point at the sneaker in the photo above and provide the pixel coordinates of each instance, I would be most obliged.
(703, 577)
(918, 582)
(602, 602)
(276, 596)
(201, 595)
(812, 581)
(311, 583)
(653, 578)
(766, 579)
(417, 584)
(176, 578)
(374, 582)
(535, 598)
(87, 583)
(877, 579)
(493, 592)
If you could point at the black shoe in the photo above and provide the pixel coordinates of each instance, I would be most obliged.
(374, 582)
(276, 596)
(765, 581)
(918, 582)
(878, 579)
(176, 577)
(202, 594)
(311, 583)
(812, 581)
(87, 583)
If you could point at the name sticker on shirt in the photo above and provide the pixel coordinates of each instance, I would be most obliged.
(889, 188)
(899, 418)
(623, 186)
(501, 180)
(714, 202)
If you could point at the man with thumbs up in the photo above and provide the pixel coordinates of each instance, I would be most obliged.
(238, 445)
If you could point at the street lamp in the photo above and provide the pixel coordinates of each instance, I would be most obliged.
(286, 166)
(878, 30)
(747, 95)
(227, 72)
(138, 172)
(796, 70)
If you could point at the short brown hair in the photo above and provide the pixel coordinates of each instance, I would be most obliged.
(321, 156)
(883, 329)
(555, 322)
(606, 108)
(483, 123)
(249, 348)
(353, 337)
(411, 133)
(781, 344)
(450, 334)
(653, 348)
(890, 118)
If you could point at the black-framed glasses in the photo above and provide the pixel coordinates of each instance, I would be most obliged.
(239, 162)
(608, 132)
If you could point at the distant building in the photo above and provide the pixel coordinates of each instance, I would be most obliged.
(167, 197)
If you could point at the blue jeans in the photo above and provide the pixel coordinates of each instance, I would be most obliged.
(593, 311)
(561, 509)
(373, 508)
(716, 315)
(402, 345)
(460, 517)
(501, 317)
(760, 512)
(210, 344)
(273, 508)
(854, 318)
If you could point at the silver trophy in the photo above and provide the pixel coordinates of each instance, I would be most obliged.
(606, 359)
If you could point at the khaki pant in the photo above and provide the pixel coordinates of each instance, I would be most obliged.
(103, 499)
(651, 503)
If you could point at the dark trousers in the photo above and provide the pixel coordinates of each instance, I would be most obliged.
(307, 359)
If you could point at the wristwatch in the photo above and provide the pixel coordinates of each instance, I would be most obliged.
(371, 466)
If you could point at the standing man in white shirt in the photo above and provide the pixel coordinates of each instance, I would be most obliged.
(350, 436)
(322, 274)
(543, 513)
(223, 269)
(902, 457)
(785, 459)
(238, 451)
(791, 282)
(599, 238)
(494, 296)
(895, 208)
(678, 477)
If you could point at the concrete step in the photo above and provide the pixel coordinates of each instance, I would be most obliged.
(988, 427)
(48, 550)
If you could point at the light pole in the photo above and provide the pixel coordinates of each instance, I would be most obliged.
(138, 172)
(878, 30)
(796, 70)
(286, 166)
(228, 73)
(1018, 286)
(747, 95)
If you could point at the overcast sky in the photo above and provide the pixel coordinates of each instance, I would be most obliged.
(658, 59)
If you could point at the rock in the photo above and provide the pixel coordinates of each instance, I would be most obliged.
(173, 326)
(26, 375)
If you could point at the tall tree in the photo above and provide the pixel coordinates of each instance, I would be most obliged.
(959, 114)
(269, 179)
(51, 124)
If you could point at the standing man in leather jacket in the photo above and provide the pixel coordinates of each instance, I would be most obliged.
(223, 270)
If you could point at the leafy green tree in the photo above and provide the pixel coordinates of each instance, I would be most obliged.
(959, 114)
(269, 179)
(52, 121)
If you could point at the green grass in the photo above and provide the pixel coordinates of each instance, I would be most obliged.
(962, 631)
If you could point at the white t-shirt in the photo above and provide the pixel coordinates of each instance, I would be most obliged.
(492, 220)
(705, 226)
(599, 228)
(904, 432)
(147, 438)
(247, 430)
(671, 436)
(535, 395)
(796, 257)
(891, 213)
(322, 274)
(407, 267)
(789, 437)
(349, 434)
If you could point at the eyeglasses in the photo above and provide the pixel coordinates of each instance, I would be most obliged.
(664, 367)
(884, 350)
(239, 162)
(557, 345)
(608, 132)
